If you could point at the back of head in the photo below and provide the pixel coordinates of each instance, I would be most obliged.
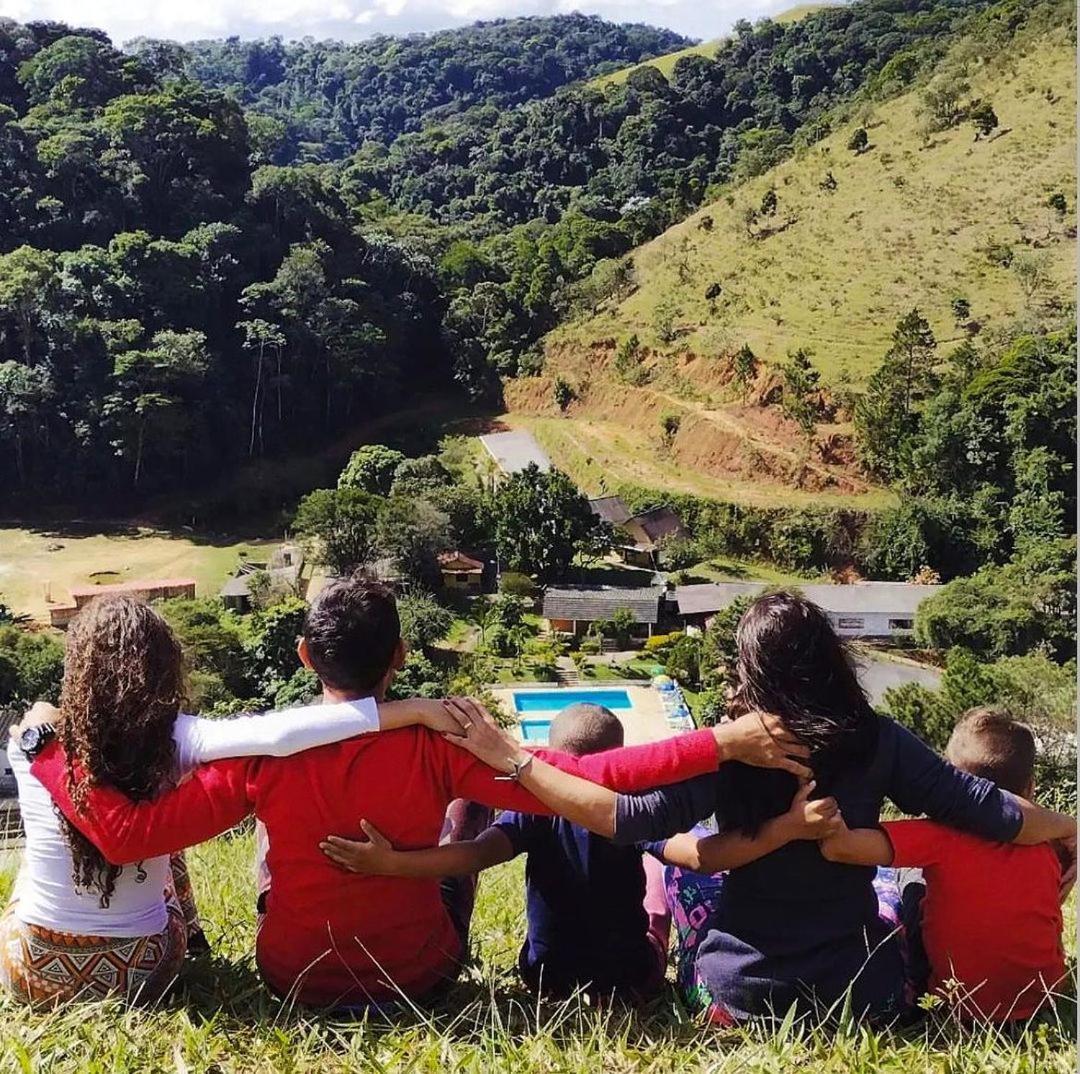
(352, 632)
(123, 688)
(792, 663)
(585, 728)
(989, 743)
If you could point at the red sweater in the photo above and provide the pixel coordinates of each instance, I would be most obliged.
(332, 938)
(991, 917)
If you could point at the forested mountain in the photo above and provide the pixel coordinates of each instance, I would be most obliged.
(325, 99)
(171, 303)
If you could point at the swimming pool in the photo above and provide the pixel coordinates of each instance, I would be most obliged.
(553, 701)
(538, 708)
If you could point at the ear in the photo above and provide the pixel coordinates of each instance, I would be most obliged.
(302, 652)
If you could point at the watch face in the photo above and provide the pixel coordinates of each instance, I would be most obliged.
(29, 739)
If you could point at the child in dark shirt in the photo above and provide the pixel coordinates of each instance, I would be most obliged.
(597, 917)
(990, 921)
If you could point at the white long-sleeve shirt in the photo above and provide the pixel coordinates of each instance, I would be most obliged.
(45, 893)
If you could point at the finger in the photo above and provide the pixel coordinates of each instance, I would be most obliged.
(802, 795)
(374, 835)
(334, 855)
(457, 716)
(339, 842)
(462, 709)
(788, 764)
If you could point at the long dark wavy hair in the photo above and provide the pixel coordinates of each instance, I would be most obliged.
(792, 663)
(123, 688)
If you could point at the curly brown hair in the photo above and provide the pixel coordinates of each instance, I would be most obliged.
(123, 688)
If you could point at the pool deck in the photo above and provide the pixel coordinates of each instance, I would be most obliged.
(645, 722)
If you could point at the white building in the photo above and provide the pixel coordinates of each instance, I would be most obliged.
(860, 610)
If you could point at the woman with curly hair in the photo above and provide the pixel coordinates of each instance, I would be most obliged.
(76, 926)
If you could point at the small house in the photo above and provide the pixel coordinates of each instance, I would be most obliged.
(648, 532)
(574, 609)
(281, 575)
(461, 573)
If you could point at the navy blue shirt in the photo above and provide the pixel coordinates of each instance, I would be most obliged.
(792, 927)
(584, 902)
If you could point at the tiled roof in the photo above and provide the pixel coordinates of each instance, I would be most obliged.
(515, 450)
(899, 599)
(610, 509)
(588, 605)
(140, 586)
(459, 561)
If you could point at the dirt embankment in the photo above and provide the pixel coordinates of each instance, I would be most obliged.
(720, 430)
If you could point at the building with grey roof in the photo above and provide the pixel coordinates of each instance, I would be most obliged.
(573, 609)
(611, 509)
(514, 451)
(860, 610)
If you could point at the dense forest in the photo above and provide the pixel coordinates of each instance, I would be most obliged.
(322, 100)
(171, 302)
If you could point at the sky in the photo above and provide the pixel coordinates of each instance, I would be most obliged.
(186, 20)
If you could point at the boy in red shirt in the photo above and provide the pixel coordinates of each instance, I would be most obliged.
(991, 914)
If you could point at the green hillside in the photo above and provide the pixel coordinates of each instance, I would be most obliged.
(666, 64)
(909, 223)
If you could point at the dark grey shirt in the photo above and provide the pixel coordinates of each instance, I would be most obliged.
(793, 927)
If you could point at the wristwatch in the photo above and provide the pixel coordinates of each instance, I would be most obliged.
(34, 739)
(520, 768)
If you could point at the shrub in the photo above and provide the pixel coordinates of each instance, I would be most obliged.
(564, 393)
(516, 584)
(859, 140)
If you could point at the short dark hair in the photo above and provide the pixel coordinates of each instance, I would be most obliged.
(585, 728)
(352, 631)
(988, 742)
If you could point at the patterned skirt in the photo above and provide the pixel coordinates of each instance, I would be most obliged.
(45, 967)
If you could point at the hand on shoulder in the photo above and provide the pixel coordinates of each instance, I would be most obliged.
(40, 712)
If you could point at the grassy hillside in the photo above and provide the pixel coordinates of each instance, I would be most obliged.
(910, 222)
(666, 64)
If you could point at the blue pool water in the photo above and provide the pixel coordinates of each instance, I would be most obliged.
(535, 732)
(552, 701)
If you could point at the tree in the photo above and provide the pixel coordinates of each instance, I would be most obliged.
(371, 468)
(424, 621)
(769, 202)
(412, 532)
(801, 381)
(1032, 271)
(564, 393)
(620, 626)
(27, 280)
(683, 660)
(941, 100)
(859, 141)
(31, 666)
(1057, 202)
(669, 426)
(983, 117)
(1027, 604)
(961, 310)
(258, 336)
(745, 366)
(541, 523)
(338, 526)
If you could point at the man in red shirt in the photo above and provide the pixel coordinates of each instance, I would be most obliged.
(991, 914)
(333, 938)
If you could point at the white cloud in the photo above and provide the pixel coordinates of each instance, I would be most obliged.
(352, 19)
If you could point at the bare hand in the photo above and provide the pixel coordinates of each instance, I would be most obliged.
(761, 739)
(484, 739)
(40, 712)
(437, 716)
(818, 819)
(1066, 851)
(373, 858)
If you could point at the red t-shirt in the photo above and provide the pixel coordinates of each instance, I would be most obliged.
(991, 917)
(330, 937)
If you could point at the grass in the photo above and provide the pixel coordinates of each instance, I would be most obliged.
(221, 1020)
(58, 557)
(907, 225)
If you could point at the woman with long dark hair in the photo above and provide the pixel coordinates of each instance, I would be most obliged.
(785, 926)
(76, 925)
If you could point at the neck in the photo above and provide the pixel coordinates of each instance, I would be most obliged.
(332, 696)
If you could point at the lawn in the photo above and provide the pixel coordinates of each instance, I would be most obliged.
(33, 561)
(223, 1021)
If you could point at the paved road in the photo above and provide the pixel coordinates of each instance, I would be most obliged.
(878, 674)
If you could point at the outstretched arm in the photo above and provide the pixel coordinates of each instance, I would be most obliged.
(805, 819)
(214, 800)
(377, 856)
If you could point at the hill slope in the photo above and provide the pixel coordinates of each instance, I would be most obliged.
(908, 224)
(666, 64)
